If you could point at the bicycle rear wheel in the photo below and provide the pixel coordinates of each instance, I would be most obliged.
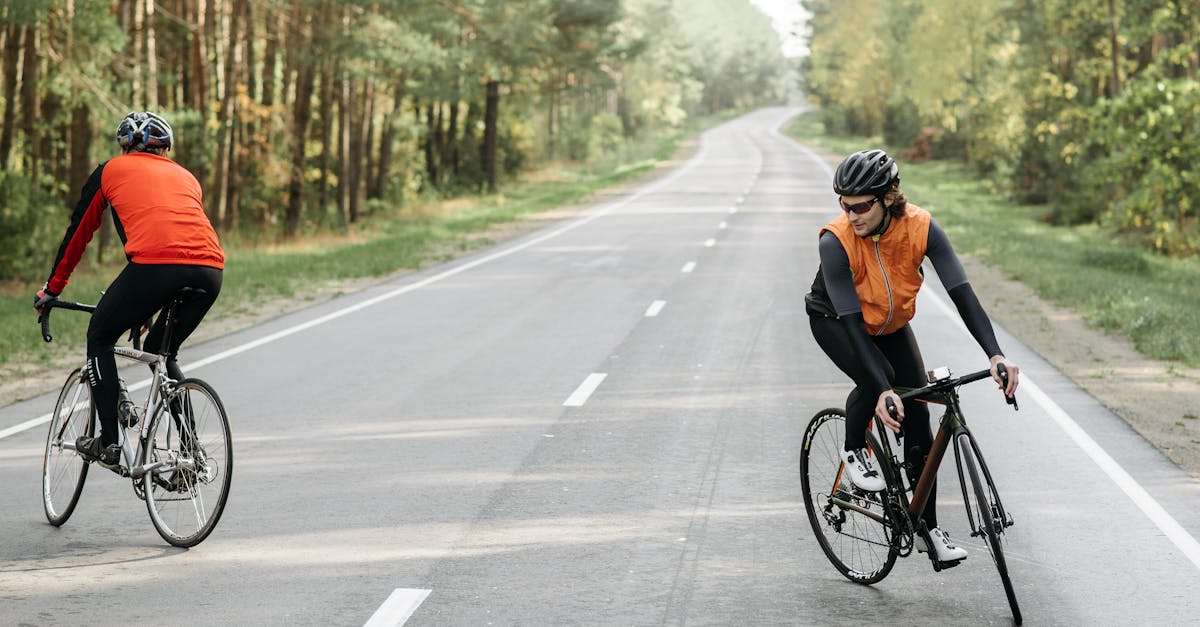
(856, 544)
(64, 470)
(983, 513)
(189, 436)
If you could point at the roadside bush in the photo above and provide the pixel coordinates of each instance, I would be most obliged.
(29, 216)
(1146, 140)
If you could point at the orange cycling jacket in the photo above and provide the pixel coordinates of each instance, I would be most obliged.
(158, 209)
(886, 268)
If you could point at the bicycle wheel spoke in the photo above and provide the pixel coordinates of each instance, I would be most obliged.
(856, 544)
(186, 498)
(981, 506)
(63, 470)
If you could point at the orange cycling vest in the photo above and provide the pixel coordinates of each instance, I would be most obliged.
(886, 268)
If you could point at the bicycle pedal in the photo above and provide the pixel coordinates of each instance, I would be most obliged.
(940, 566)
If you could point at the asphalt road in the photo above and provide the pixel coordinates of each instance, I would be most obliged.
(430, 448)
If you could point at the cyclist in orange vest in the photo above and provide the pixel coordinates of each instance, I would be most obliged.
(158, 210)
(860, 305)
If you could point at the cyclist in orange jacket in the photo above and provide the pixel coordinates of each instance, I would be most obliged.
(170, 244)
(860, 305)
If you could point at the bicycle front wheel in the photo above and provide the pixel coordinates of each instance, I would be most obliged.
(856, 544)
(191, 453)
(983, 514)
(63, 470)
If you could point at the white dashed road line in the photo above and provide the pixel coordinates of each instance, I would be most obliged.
(655, 307)
(689, 266)
(398, 608)
(585, 389)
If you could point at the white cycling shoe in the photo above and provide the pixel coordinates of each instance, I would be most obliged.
(943, 548)
(862, 474)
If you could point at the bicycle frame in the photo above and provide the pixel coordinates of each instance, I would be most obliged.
(953, 424)
(160, 385)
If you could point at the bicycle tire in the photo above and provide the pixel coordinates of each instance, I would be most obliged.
(190, 435)
(63, 470)
(981, 511)
(858, 546)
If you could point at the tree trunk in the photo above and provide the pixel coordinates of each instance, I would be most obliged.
(30, 105)
(1114, 89)
(151, 59)
(248, 63)
(196, 87)
(328, 69)
(491, 118)
(300, 121)
(209, 62)
(345, 123)
(431, 169)
(80, 141)
(226, 123)
(452, 140)
(389, 136)
(270, 54)
(361, 148)
(12, 54)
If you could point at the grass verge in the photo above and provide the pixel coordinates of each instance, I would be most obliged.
(1114, 284)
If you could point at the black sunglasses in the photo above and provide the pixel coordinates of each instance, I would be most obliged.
(858, 207)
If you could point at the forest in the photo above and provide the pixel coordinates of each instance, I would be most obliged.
(1090, 107)
(311, 115)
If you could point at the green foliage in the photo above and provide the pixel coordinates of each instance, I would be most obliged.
(1147, 151)
(1089, 107)
(30, 217)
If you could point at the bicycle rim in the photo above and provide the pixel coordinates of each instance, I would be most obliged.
(63, 470)
(981, 509)
(858, 546)
(190, 435)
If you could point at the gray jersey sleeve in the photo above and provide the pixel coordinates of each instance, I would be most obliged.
(839, 281)
(941, 254)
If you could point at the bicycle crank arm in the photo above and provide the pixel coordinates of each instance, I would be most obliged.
(140, 471)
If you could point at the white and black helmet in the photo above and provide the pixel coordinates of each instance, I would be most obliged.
(866, 172)
(143, 131)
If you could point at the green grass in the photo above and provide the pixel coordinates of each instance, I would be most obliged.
(1115, 284)
(390, 240)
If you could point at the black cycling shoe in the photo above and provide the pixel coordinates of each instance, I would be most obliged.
(93, 450)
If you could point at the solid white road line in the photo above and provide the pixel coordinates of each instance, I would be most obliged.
(585, 389)
(1140, 497)
(598, 213)
(689, 266)
(655, 307)
(28, 424)
(398, 607)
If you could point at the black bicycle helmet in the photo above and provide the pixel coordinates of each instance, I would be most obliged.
(143, 131)
(866, 172)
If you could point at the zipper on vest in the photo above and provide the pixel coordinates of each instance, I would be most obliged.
(887, 282)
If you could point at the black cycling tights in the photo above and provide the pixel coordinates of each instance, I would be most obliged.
(903, 365)
(132, 298)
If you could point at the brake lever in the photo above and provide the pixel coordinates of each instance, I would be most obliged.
(1003, 372)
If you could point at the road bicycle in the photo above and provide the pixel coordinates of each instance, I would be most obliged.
(862, 533)
(179, 458)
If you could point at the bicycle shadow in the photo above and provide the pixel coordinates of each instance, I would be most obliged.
(81, 555)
